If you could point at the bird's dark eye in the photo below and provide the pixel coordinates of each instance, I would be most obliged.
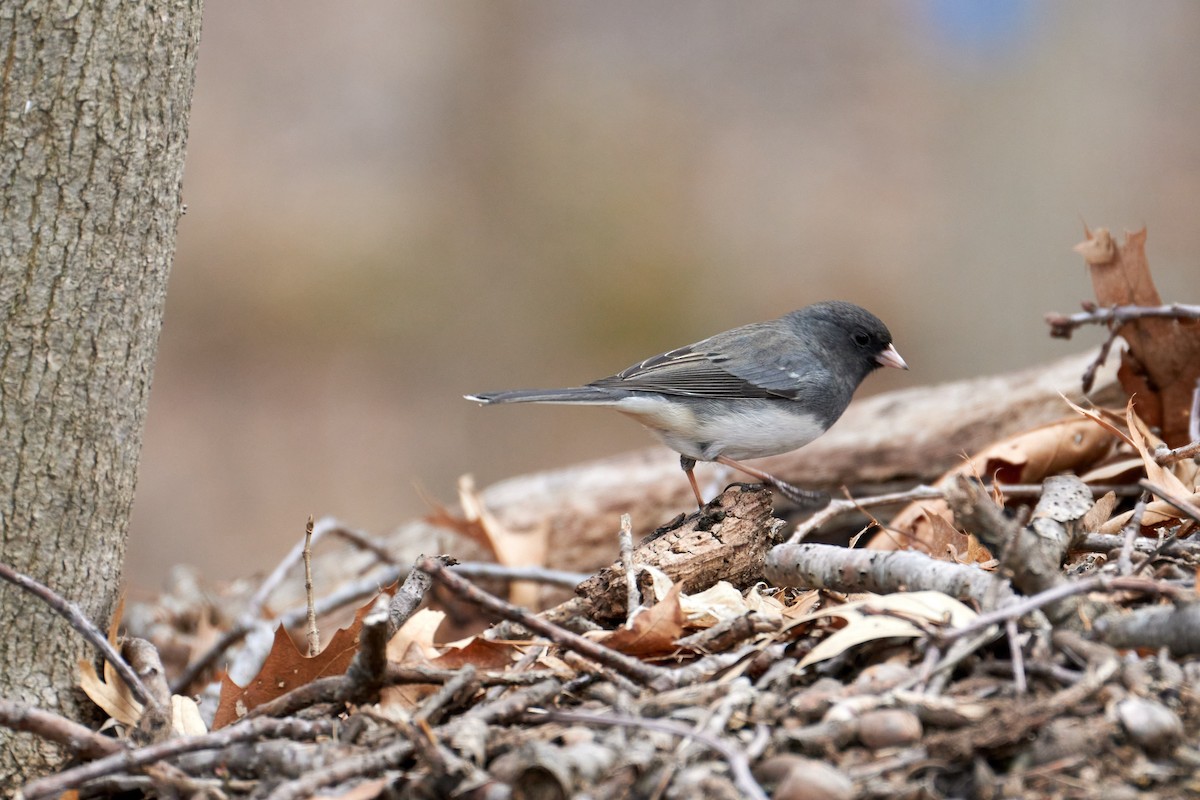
(861, 338)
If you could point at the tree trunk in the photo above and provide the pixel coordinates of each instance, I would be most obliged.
(93, 125)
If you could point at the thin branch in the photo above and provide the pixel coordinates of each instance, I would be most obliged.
(1164, 456)
(838, 507)
(260, 728)
(77, 739)
(79, 621)
(552, 577)
(313, 634)
(1018, 658)
(1062, 325)
(655, 677)
(632, 595)
(1184, 505)
(1128, 534)
(409, 596)
(1020, 608)
(251, 617)
(1168, 546)
(1089, 374)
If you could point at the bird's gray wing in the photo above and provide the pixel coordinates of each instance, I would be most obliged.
(713, 369)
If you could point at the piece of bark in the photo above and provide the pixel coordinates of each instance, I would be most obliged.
(727, 541)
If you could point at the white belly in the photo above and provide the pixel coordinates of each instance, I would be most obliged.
(734, 429)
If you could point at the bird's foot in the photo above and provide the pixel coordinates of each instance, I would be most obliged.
(805, 498)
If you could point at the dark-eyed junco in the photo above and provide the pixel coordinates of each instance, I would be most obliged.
(754, 391)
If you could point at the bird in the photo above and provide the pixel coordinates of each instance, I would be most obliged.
(754, 391)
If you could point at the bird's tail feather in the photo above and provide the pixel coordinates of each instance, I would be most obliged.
(582, 395)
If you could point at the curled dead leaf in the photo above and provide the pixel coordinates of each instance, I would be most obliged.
(898, 615)
(1069, 445)
(507, 547)
(1161, 366)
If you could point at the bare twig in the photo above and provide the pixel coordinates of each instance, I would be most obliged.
(312, 634)
(451, 693)
(251, 617)
(260, 728)
(380, 760)
(1128, 534)
(410, 595)
(1019, 608)
(632, 595)
(363, 541)
(78, 740)
(1018, 658)
(1164, 456)
(655, 677)
(1062, 326)
(1089, 374)
(552, 577)
(837, 508)
(79, 621)
(371, 762)
(1169, 546)
(1184, 505)
(155, 722)
(1175, 626)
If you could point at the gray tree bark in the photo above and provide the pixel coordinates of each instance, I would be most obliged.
(93, 127)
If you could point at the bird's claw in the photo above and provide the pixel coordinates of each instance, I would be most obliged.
(804, 498)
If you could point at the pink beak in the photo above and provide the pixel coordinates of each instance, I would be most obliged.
(890, 358)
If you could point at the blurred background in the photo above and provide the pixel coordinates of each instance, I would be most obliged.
(391, 204)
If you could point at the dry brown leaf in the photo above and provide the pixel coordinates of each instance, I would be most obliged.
(1099, 513)
(945, 539)
(767, 604)
(1161, 366)
(114, 696)
(704, 609)
(111, 693)
(1119, 470)
(413, 644)
(1071, 444)
(286, 668)
(507, 547)
(1145, 442)
(1158, 513)
(413, 641)
(803, 605)
(1099, 416)
(478, 652)
(652, 632)
(902, 614)
(186, 719)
